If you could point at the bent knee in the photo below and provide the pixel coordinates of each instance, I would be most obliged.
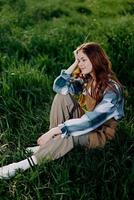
(63, 98)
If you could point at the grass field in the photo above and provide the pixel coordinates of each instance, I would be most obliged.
(37, 39)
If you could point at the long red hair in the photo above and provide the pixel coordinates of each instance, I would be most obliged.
(102, 69)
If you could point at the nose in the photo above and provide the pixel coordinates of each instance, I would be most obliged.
(80, 65)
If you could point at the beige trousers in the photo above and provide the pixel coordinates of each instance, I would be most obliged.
(65, 107)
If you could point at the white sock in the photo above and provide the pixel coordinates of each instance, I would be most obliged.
(34, 159)
(10, 170)
(27, 163)
(33, 149)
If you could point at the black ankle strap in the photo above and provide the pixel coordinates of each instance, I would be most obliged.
(31, 162)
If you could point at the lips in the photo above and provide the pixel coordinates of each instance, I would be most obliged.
(82, 68)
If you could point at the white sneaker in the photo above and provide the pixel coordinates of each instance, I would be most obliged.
(33, 149)
(8, 171)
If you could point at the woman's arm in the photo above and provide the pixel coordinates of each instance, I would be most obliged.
(65, 83)
(73, 66)
(108, 108)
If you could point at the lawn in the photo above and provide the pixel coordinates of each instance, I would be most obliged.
(37, 39)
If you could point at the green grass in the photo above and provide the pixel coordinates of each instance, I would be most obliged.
(37, 39)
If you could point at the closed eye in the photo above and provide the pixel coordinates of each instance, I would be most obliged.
(83, 60)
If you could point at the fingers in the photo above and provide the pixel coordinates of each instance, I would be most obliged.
(55, 135)
(75, 53)
(43, 139)
(39, 140)
(48, 135)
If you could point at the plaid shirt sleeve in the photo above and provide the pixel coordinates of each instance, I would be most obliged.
(65, 84)
(110, 106)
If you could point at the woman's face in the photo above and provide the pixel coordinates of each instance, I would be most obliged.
(84, 63)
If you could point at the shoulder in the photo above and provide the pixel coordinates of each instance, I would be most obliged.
(114, 86)
(113, 91)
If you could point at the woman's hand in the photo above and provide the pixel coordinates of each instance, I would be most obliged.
(52, 133)
(76, 58)
(74, 65)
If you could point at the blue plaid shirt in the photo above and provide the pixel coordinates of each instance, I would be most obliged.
(111, 106)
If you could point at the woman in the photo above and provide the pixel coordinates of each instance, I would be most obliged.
(85, 111)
